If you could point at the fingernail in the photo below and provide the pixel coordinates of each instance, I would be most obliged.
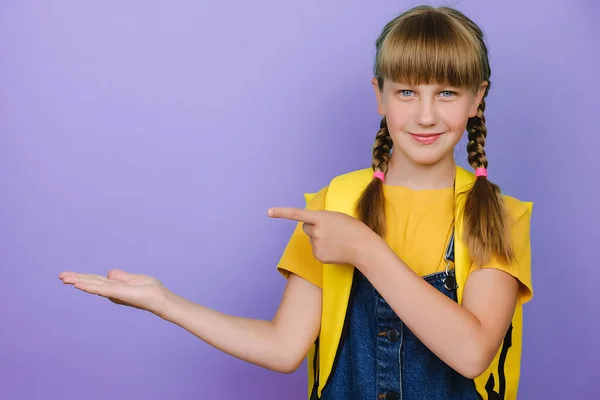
(270, 213)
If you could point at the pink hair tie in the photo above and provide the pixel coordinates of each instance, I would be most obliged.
(380, 175)
(481, 172)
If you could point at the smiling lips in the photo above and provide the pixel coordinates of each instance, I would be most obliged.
(426, 138)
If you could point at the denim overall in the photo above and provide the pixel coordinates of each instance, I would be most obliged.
(380, 358)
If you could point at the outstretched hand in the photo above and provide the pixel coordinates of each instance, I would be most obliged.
(336, 238)
(133, 290)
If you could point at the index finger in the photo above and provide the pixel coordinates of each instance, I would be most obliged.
(295, 214)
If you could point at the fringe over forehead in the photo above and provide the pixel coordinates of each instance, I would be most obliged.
(428, 45)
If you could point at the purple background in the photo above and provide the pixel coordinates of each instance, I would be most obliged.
(134, 134)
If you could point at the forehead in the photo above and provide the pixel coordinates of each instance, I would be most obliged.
(431, 86)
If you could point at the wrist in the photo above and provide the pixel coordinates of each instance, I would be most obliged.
(368, 248)
(164, 305)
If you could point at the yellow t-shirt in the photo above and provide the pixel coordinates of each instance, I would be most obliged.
(419, 224)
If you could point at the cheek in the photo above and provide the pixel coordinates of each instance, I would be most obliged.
(397, 125)
(455, 118)
(456, 130)
(397, 116)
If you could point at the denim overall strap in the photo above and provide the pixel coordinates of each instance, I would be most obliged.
(379, 357)
(450, 280)
(449, 255)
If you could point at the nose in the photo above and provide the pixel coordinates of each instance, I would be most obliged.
(426, 114)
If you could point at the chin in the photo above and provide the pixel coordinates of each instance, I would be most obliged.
(425, 156)
(426, 159)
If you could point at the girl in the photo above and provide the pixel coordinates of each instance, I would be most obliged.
(374, 294)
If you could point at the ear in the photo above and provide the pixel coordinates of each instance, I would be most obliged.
(375, 83)
(478, 98)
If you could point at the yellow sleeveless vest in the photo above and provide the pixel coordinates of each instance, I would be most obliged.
(499, 381)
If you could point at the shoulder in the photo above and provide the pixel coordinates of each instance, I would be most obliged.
(351, 183)
(517, 209)
(316, 200)
(345, 186)
(347, 179)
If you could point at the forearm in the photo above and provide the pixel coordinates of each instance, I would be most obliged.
(251, 340)
(449, 330)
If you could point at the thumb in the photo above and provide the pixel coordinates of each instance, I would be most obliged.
(119, 275)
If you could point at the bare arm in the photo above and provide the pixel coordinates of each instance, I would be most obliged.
(279, 345)
(465, 337)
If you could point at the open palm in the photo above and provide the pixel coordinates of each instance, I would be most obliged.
(133, 290)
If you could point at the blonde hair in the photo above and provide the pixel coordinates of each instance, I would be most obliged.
(441, 45)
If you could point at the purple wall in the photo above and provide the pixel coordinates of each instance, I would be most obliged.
(132, 135)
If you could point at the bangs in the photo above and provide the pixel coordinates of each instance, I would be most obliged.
(429, 48)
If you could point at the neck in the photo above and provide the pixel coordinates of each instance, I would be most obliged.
(404, 172)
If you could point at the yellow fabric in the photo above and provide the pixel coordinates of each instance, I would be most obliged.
(419, 224)
(520, 213)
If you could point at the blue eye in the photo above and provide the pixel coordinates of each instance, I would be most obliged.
(406, 92)
(447, 93)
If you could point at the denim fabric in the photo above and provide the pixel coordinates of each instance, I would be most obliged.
(380, 358)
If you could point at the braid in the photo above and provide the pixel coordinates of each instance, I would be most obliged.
(371, 205)
(477, 132)
(485, 217)
(381, 148)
